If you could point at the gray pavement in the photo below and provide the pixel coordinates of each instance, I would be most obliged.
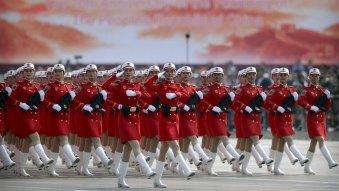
(294, 178)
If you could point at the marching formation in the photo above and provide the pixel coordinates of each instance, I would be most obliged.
(123, 117)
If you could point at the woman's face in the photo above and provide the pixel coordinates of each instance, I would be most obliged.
(204, 80)
(242, 79)
(185, 76)
(91, 75)
(169, 74)
(283, 77)
(29, 74)
(251, 77)
(58, 74)
(128, 73)
(275, 78)
(314, 78)
(217, 77)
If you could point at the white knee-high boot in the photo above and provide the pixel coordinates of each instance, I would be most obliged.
(122, 174)
(23, 159)
(6, 160)
(263, 154)
(157, 183)
(201, 153)
(230, 159)
(152, 158)
(187, 172)
(38, 148)
(116, 163)
(245, 163)
(196, 160)
(51, 167)
(69, 154)
(35, 158)
(210, 170)
(259, 160)
(296, 152)
(328, 157)
(271, 155)
(290, 155)
(101, 153)
(80, 164)
(307, 168)
(234, 153)
(85, 162)
(144, 165)
(277, 162)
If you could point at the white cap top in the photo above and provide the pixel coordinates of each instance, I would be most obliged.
(68, 74)
(186, 69)
(275, 71)
(128, 65)
(314, 71)
(242, 72)
(59, 67)
(284, 70)
(29, 66)
(169, 65)
(251, 70)
(217, 70)
(154, 68)
(204, 73)
(91, 67)
(49, 69)
(138, 73)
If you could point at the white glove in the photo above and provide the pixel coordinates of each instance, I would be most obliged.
(145, 111)
(72, 93)
(104, 94)
(328, 93)
(24, 106)
(295, 96)
(131, 93)
(42, 95)
(119, 106)
(314, 108)
(263, 95)
(200, 94)
(160, 74)
(248, 109)
(216, 109)
(232, 95)
(88, 108)
(281, 109)
(56, 107)
(186, 108)
(171, 95)
(119, 74)
(8, 90)
(151, 108)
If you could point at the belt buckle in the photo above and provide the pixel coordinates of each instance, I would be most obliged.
(173, 109)
(133, 109)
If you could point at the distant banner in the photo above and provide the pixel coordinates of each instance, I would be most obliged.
(150, 31)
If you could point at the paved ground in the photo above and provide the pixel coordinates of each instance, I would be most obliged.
(295, 179)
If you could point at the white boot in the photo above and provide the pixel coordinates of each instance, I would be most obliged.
(116, 163)
(260, 161)
(152, 158)
(307, 168)
(201, 153)
(85, 162)
(271, 155)
(144, 165)
(328, 157)
(245, 162)
(51, 167)
(263, 154)
(79, 166)
(122, 174)
(234, 153)
(38, 148)
(296, 152)
(230, 159)
(159, 171)
(277, 162)
(23, 159)
(69, 154)
(6, 160)
(210, 170)
(35, 158)
(187, 172)
(101, 153)
(290, 155)
(196, 160)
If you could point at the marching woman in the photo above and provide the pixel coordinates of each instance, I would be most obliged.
(217, 119)
(89, 101)
(271, 114)
(26, 98)
(188, 129)
(4, 156)
(249, 100)
(316, 100)
(129, 94)
(170, 94)
(58, 96)
(281, 99)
